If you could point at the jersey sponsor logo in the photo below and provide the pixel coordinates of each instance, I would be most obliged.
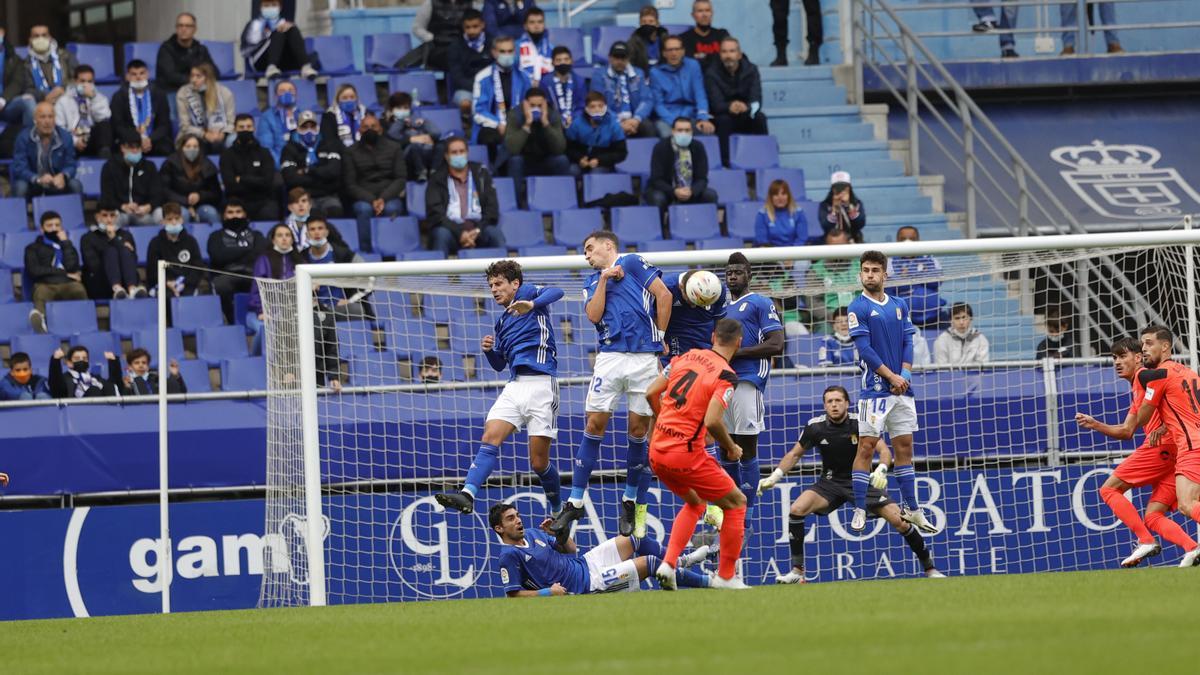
(874, 313)
(852, 319)
(504, 575)
(899, 316)
(824, 442)
(1149, 393)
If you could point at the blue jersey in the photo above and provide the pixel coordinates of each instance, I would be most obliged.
(538, 565)
(759, 319)
(837, 352)
(888, 326)
(629, 308)
(690, 327)
(526, 343)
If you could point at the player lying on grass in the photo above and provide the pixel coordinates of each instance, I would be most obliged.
(835, 435)
(1153, 463)
(532, 563)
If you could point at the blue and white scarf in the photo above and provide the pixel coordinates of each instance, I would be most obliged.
(478, 43)
(39, 76)
(347, 126)
(142, 110)
(564, 96)
(454, 207)
(624, 102)
(53, 243)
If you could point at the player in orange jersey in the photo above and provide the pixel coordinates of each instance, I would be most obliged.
(1151, 464)
(690, 397)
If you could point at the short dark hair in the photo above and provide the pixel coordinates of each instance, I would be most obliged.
(960, 307)
(503, 38)
(606, 235)
(508, 269)
(49, 215)
(233, 201)
(471, 14)
(457, 139)
(681, 118)
(84, 68)
(18, 357)
(594, 96)
(672, 37)
(534, 92)
(840, 311)
(496, 513)
(243, 116)
(1160, 332)
(876, 257)
(737, 258)
(431, 361)
(135, 354)
(561, 49)
(172, 210)
(728, 331)
(75, 349)
(534, 11)
(400, 98)
(135, 63)
(1125, 345)
(908, 227)
(648, 10)
(839, 389)
(295, 194)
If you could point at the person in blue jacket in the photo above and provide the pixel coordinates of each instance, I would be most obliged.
(780, 221)
(498, 88)
(44, 158)
(566, 89)
(596, 142)
(21, 384)
(506, 17)
(627, 91)
(678, 86)
(277, 124)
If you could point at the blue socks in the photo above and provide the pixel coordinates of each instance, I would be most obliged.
(907, 478)
(734, 469)
(585, 463)
(486, 459)
(683, 577)
(749, 471)
(635, 466)
(551, 486)
(860, 480)
(648, 546)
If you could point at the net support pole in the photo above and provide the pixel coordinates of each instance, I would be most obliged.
(1050, 382)
(164, 522)
(314, 538)
(1189, 253)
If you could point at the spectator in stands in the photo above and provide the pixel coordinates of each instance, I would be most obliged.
(110, 266)
(841, 209)
(20, 384)
(48, 68)
(987, 22)
(506, 17)
(627, 92)
(596, 143)
(312, 162)
(174, 244)
(142, 109)
(461, 208)
(838, 276)
(535, 141)
(813, 28)
(272, 44)
(415, 134)
(734, 92)
(961, 343)
(438, 24)
(52, 267)
(566, 89)
(132, 181)
(233, 249)
(277, 262)
(178, 54)
(375, 177)
(1068, 13)
(44, 158)
(343, 119)
(677, 85)
(468, 55)
(190, 179)
(837, 348)
(299, 206)
(431, 370)
(679, 170)
(78, 381)
(141, 381)
(646, 42)
(496, 89)
(206, 108)
(1059, 342)
(85, 113)
(703, 42)
(16, 104)
(248, 172)
(326, 246)
(914, 279)
(534, 49)
(780, 222)
(276, 125)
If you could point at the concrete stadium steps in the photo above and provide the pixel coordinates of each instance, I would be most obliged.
(818, 133)
(880, 167)
(810, 93)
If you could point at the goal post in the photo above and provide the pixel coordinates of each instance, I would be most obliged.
(351, 473)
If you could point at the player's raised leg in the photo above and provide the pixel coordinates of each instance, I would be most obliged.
(586, 457)
(1113, 493)
(907, 478)
(487, 458)
(912, 536)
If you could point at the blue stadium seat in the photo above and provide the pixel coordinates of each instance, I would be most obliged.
(465, 337)
(411, 337)
(542, 250)
(395, 236)
(148, 339)
(195, 376)
(482, 253)
(506, 193)
(753, 152)
(99, 57)
(415, 199)
(813, 215)
(97, 343)
(729, 184)
(803, 350)
(70, 207)
(215, 343)
(245, 96)
(88, 173)
(571, 38)
(382, 50)
(126, 317)
(448, 122)
(146, 51)
(306, 95)
(14, 320)
(14, 249)
(355, 338)
(192, 312)
(477, 153)
(109, 89)
(637, 223)
(572, 225)
(596, 185)
(423, 81)
(421, 255)
(794, 177)
(603, 38)
(448, 308)
(740, 217)
(336, 53)
(719, 243)
(712, 149)
(660, 245)
(13, 216)
(692, 222)
(222, 56)
(551, 193)
(7, 293)
(202, 231)
(244, 374)
(39, 348)
(65, 318)
(637, 161)
(522, 228)
(375, 372)
(363, 84)
(263, 227)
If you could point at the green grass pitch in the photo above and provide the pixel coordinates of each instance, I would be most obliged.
(1095, 622)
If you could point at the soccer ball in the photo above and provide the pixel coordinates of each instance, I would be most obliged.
(702, 288)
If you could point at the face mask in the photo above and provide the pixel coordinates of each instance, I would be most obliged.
(370, 136)
(86, 88)
(348, 107)
(22, 378)
(190, 154)
(645, 32)
(40, 45)
(300, 218)
(536, 114)
(173, 229)
(282, 251)
(80, 366)
(308, 138)
(287, 99)
(506, 60)
(682, 139)
(236, 224)
(270, 13)
(596, 117)
(133, 157)
(458, 161)
(245, 137)
(139, 85)
(401, 113)
(317, 242)
(562, 68)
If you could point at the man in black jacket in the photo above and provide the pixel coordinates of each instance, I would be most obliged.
(176, 245)
(141, 108)
(17, 109)
(679, 170)
(536, 143)
(461, 208)
(132, 181)
(248, 171)
(313, 162)
(734, 90)
(469, 54)
(703, 42)
(375, 176)
(110, 268)
(141, 381)
(233, 249)
(52, 266)
(178, 54)
(79, 382)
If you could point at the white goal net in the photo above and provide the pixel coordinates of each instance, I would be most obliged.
(1003, 470)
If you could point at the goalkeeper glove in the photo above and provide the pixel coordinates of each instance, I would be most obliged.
(770, 481)
(906, 374)
(879, 479)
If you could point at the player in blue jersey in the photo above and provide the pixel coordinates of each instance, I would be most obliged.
(631, 308)
(533, 563)
(883, 332)
(523, 343)
(762, 340)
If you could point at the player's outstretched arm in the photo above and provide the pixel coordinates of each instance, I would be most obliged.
(714, 421)
(556, 589)
(546, 295)
(785, 465)
(1122, 432)
(662, 295)
(771, 345)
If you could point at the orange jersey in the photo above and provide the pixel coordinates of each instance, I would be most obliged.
(1174, 389)
(693, 379)
(1139, 393)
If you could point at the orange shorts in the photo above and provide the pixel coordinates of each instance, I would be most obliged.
(683, 471)
(1188, 465)
(1154, 466)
